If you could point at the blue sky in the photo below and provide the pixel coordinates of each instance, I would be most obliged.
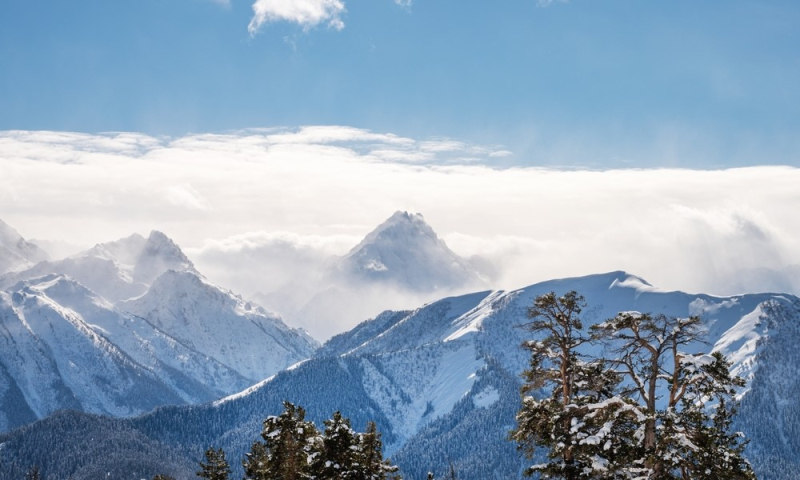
(590, 83)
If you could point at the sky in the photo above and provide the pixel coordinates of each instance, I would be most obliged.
(551, 138)
(584, 83)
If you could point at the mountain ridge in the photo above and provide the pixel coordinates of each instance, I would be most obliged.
(442, 380)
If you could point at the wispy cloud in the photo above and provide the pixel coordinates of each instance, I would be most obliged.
(306, 13)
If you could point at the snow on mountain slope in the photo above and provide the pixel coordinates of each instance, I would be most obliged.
(58, 360)
(732, 322)
(63, 346)
(220, 325)
(405, 251)
(192, 375)
(442, 381)
(15, 252)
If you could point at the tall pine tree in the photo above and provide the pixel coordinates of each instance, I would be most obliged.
(292, 444)
(215, 467)
(370, 459)
(576, 420)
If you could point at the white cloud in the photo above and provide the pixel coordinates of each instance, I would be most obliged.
(720, 231)
(306, 13)
(262, 262)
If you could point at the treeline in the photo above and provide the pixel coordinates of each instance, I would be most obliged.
(291, 448)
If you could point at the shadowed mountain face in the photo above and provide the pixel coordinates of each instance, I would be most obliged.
(70, 340)
(442, 382)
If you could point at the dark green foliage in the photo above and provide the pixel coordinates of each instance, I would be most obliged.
(370, 456)
(338, 456)
(98, 447)
(215, 467)
(294, 449)
(256, 462)
(291, 441)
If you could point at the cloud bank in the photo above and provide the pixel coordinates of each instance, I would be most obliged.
(259, 209)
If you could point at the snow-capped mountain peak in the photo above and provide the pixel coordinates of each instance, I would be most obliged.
(400, 227)
(405, 251)
(158, 255)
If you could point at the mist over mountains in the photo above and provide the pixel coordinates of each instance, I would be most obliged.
(131, 325)
(399, 264)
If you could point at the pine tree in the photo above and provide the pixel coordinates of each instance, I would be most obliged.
(292, 444)
(688, 436)
(215, 466)
(161, 476)
(372, 466)
(578, 421)
(338, 457)
(650, 411)
(717, 452)
(256, 463)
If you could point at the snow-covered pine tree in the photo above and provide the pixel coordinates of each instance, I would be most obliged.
(256, 462)
(579, 422)
(712, 450)
(215, 467)
(673, 393)
(372, 464)
(292, 443)
(339, 456)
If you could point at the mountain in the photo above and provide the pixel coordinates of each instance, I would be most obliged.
(127, 326)
(442, 383)
(117, 270)
(220, 325)
(15, 252)
(53, 358)
(400, 264)
(66, 347)
(405, 252)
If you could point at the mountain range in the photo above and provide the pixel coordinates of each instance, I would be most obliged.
(441, 381)
(125, 327)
